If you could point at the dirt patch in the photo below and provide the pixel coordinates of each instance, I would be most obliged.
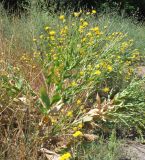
(133, 151)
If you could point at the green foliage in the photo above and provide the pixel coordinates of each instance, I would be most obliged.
(84, 57)
(129, 109)
(130, 7)
(100, 150)
(84, 60)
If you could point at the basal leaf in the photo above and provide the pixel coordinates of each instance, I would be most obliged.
(44, 97)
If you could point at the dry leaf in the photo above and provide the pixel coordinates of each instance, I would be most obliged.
(57, 107)
(50, 155)
(87, 118)
(24, 100)
(98, 99)
(90, 137)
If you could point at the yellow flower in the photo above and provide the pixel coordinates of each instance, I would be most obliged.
(81, 29)
(79, 102)
(77, 134)
(34, 39)
(106, 89)
(55, 56)
(103, 64)
(81, 20)
(76, 14)
(82, 73)
(96, 30)
(46, 28)
(52, 33)
(89, 34)
(83, 40)
(52, 38)
(109, 68)
(41, 36)
(85, 24)
(53, 121)
(94, 11)
(90, 43)
(64, 30)
(88, 13)
(98, 66)
(65, 156)
(74, 84)
(70, 114)
(61, 17)
(98, 72)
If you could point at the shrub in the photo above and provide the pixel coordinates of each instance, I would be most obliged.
(15, 6)
(131, 7)
(81, 61)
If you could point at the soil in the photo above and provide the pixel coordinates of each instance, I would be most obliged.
(133, 151)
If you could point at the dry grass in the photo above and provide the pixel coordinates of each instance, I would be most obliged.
(19, 120)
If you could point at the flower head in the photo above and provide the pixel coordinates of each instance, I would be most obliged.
(52, 33)
(88, 13)
(41, 36)
(61, 17)
(98, 72)
(70, 114)
(106, 89)
(85, 24)
(94, 11)
(46, 28)
(79, 102)
(109, 68)
(78, 134)
(73, 84)
(77, 14)
(65, 156)
(34, 39)
(96, 30)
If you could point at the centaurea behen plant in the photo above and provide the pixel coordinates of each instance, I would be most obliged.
(84, 66)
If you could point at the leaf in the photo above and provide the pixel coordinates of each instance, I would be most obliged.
(87, 118)
(24, 100)
(55, 99)
(44, 97)
(59, 87)
(48, 79)
(43, 110)
(19, 84)
(50, 155)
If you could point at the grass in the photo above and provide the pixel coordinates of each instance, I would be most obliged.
(65, 77)
(101, 150)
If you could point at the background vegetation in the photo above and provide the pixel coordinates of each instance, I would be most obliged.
(129, 7)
